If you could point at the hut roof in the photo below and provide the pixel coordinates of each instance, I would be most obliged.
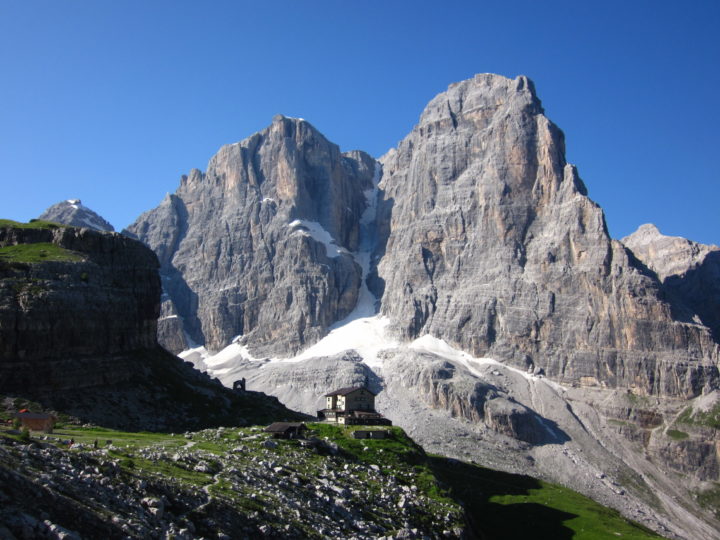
(282, 427)
(349, 390)
(34, 416)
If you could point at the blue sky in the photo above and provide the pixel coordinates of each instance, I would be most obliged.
(112, 101)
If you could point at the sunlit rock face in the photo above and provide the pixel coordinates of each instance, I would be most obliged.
(484, 236)
(495, 279)
(259, 245)
(491, 243)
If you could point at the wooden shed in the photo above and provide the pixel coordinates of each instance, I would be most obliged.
(37, 421)
(287, 430)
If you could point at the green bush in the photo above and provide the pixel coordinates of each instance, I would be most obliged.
(677, 435)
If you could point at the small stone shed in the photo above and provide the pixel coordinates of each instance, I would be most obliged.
(366, 418)
(37, 421)
(287, 430)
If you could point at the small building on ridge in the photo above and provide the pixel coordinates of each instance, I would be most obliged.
(352, 406)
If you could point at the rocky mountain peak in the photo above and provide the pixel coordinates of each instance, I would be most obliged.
(666, 255)
(689, 271)
(261, 243)
(647, 229)
(506, 310)
(473, 102)
(480, 234)
(73, 212)
(491, 244)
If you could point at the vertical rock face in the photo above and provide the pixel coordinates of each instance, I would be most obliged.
(101, 304)
(259, 244)
(486, 239)
(689, 271)
(492, 244)
(73, 212)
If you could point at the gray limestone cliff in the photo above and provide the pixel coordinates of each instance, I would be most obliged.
(484, 236)
(259, 244)
(491, 243)
(73, 212)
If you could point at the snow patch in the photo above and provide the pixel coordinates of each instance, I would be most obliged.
(317, 232)
(366, 335)
(439, 347)
(196, 356)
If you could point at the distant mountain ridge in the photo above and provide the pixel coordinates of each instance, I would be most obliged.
(73, 212)
(689, 271)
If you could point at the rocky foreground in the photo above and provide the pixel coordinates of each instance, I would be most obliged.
(224, 483)
(240, 483)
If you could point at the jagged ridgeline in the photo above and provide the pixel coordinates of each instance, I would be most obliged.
(484, 237)
(491, 243)
(78, 312)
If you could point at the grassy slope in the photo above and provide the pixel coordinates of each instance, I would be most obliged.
(39, 252)
(33, 224)
(143, 456)
(709, 418)
(504, 505)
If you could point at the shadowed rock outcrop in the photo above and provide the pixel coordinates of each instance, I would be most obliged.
(104, 303)
(689, 271)
(78, 311)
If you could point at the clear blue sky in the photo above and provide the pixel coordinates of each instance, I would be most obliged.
(111, 101)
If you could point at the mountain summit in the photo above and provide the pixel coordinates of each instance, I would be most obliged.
(494, 246)
(72, 212)
(259, 245)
